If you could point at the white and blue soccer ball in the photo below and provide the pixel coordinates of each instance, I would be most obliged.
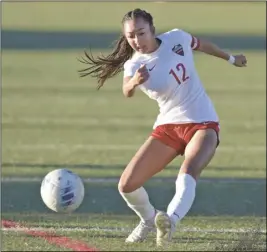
(62, 191)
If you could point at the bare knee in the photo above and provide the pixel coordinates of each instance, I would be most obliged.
(129, 181)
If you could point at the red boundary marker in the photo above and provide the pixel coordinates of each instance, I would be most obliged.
(52, 238)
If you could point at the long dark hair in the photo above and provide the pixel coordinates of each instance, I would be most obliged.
(107, 67)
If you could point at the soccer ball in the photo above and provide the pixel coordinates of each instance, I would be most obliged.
(62, 191)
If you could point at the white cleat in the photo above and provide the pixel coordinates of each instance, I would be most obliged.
(141, 232)
(165, 229)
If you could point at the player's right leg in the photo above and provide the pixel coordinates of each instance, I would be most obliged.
(150, 159)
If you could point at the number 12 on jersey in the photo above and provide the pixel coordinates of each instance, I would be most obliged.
(180, 68)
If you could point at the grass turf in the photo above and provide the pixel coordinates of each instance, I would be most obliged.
(212, 17)
(109, 231)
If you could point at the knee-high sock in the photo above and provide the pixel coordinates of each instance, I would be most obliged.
(138, 201)
(183, 198)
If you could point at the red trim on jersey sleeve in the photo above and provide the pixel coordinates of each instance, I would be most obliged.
(195, 43)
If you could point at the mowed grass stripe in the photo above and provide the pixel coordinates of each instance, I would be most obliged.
(117, 147)
(108, 180)
(104, 16)
(229, 172)
(110, 121)
(127, 230)
(128, 221)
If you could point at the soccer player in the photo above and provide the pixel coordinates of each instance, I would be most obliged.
(162, 66)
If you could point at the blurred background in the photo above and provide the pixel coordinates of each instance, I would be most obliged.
(51, 118)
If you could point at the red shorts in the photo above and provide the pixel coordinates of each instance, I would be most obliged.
(178, 136)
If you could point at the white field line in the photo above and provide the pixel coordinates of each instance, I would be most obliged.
(116, 147)
(155, 180)
(115, 121)
(106, 229)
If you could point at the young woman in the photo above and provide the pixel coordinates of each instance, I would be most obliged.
(163, 68)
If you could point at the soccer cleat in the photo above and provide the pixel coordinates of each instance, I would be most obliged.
(141, 232)
(165, 229)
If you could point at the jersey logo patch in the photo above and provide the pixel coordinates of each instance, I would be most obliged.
(150, 69)
(178, 49)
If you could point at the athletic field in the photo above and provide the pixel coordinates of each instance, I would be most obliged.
(53, 119)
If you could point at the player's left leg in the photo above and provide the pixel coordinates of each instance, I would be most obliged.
(198, 153)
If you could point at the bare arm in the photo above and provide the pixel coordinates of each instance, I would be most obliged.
(212, 49)
(129, 85)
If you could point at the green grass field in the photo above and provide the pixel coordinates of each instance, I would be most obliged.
(51, 118)
(105, 16)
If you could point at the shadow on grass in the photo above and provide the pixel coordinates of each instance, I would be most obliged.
(36, 40)
(212, 199)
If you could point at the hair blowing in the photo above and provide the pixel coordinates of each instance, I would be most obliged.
(107, 67)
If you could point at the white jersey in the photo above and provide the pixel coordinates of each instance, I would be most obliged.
(174, 82)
